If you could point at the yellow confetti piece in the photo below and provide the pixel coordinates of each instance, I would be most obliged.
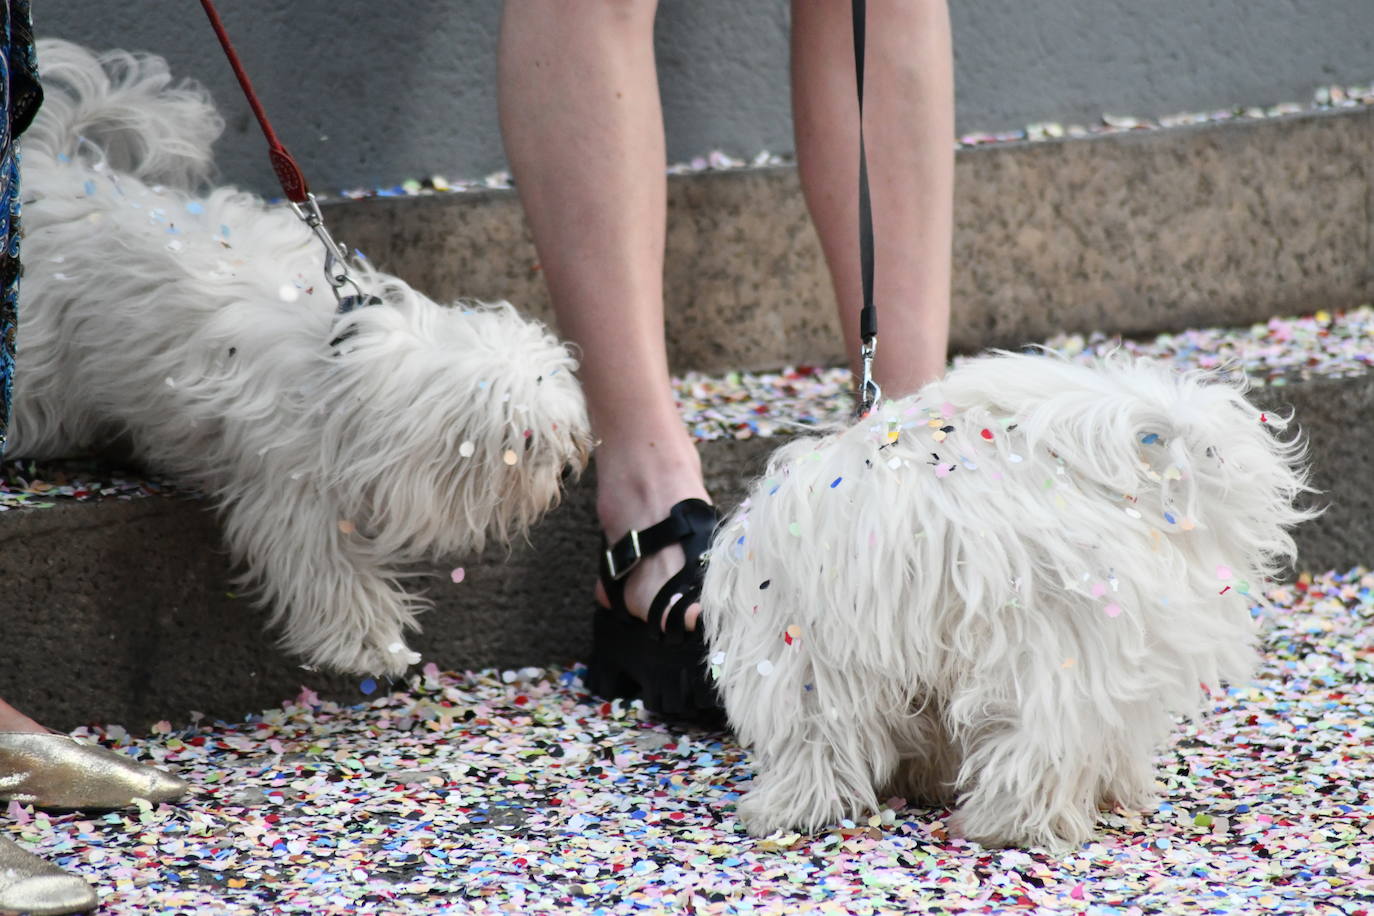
(1068, 663)
(347, 527)
(510, 457)
(779, 842)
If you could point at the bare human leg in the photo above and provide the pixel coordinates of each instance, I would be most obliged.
(909, 136)
(583, 131)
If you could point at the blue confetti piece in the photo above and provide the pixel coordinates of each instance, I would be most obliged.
(836, 482)
(195, 206)
(368, 686)
(1150, 439)
(1169, 517)
(224, 231)
(89, 188)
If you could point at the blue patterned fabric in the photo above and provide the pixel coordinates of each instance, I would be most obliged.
(20, 96)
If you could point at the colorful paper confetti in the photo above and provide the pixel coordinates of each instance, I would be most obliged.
(746, 405)
(516, 792)
(30, 485)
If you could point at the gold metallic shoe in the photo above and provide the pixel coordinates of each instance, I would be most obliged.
(30, 885)
(48, 770)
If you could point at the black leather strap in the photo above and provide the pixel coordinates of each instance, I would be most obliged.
(689, 523)
(868, 315)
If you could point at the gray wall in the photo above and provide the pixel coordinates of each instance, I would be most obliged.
(369, 93)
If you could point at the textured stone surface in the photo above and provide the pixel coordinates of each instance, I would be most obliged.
(370, 100)
(1132, 234)
(1334, 417)
(1219, 225)
(122, 611)
(119, 611)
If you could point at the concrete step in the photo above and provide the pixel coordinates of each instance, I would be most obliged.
(1131, 233)
(122, 609)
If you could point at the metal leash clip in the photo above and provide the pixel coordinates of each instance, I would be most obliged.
(869, 392)
(336, 270)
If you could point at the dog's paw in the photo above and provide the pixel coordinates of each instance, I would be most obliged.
(993, 834)
(391, 659)
(758, 816)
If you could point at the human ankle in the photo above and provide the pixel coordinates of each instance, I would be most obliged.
(636, 488)
(12, 720)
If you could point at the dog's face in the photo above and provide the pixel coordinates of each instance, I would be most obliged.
(446, 425)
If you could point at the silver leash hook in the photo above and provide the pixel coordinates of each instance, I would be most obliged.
(336, 270)
(869, 391)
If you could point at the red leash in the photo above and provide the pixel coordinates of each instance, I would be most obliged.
(293, 182)
(288, 172)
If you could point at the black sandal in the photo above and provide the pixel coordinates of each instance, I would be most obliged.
(657, 660)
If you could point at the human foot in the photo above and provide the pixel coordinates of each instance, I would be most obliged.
(633, 496)
(659, 659)
(12, 720)
(30, 885)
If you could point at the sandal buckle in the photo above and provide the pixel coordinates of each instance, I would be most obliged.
(619, 572)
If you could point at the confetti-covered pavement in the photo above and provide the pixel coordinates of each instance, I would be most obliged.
(517, 793)
(33, 485)
(744, 405)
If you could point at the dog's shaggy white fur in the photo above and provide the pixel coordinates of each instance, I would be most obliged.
(996, 592)
(199, 327)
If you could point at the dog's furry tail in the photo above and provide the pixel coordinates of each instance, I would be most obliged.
(126, 111)
(1183, 451)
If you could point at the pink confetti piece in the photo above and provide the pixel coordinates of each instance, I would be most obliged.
(458, 575)
(19, 814)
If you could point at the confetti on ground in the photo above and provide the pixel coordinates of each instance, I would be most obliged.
(516, 792)
(1324, 98)
(745, 405)
(28, 485)
(1280, 351)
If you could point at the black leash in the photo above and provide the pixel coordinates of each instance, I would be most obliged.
(869, 392)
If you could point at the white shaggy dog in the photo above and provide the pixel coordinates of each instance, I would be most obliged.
(200, 328)
(996, 592)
